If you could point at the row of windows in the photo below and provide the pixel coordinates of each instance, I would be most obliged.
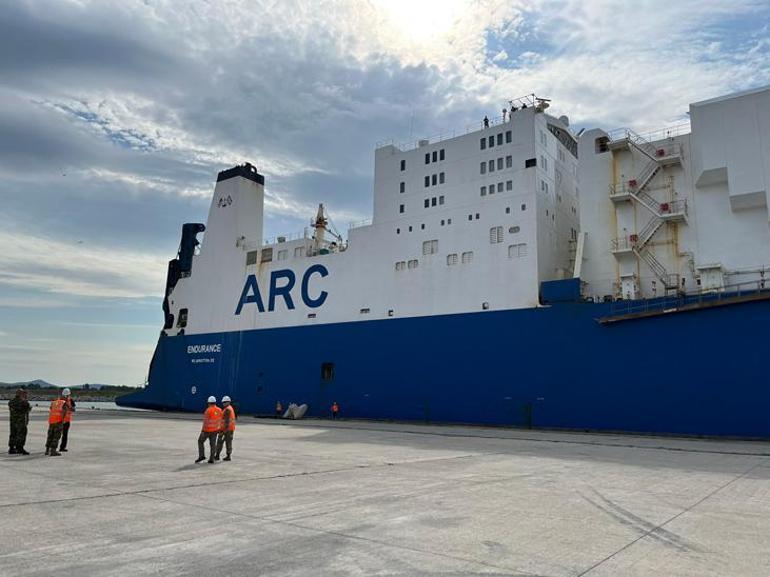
(451, 259)
(484, 142)
(434, 179)
(437, 156)
(402, 264)
(496, 233)
(430, 247)
(490, 165)
(432, 201)
(471, 216)
(253, 256)
(507, 185)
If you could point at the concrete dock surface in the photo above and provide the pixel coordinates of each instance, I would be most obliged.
(318, 498)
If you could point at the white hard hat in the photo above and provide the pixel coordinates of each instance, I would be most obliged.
(65, 392)
(212, 399)
(225, 399)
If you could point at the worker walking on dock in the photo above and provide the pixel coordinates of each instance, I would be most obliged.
(335, 410)
(19, 408)
(67, 419)
(212, 425)
(56, 415)
(228, 429)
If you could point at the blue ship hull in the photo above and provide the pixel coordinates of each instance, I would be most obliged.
(696, 372)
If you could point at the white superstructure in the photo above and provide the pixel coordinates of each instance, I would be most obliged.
(476, 222)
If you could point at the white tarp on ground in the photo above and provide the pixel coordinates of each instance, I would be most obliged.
(295, 411)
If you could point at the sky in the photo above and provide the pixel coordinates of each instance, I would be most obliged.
(115, 118)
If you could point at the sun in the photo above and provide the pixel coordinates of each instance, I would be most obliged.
(421, 21)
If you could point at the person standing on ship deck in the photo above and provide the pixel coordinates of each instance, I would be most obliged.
(212, 425)
(486, 122)
(67, 419)
(228, 429)
(335, 409)
(19, 408)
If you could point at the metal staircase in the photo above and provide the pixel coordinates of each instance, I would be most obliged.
(636, 190)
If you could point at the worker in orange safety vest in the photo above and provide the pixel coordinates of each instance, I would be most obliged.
(335, 410)
(212, 425)
(70, 402)
(228, 429)
(56, 415)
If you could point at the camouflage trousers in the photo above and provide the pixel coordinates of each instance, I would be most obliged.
(18, 436)
(225, 438)
(202, 438)
(54, 434)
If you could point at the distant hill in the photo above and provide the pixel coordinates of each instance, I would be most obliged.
(36, 384)
(41, 384)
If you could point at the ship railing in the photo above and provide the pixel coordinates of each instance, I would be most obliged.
(530, 100)
(652, 135)
(360, 223)
(281, 238)
(691, 299)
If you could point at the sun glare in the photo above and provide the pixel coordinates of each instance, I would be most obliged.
(421, 21)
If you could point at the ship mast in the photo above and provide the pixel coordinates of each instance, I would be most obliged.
(320, 229)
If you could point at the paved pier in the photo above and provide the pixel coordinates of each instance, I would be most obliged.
(314, 498)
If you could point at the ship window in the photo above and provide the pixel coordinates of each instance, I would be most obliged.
(182, 322)
(483, 143)
(430, 247)
(433, 180)
(470, 217)
(499, 187)
(299, 252)
(496, 234)
(427, 181)
(422, 226)
(523, 207)
(508, 136)
(500, 163)
(435, 156)
(483, 191)
(441, 199)
(514, 229)
(530, 162)
(508, 185)
(491, 141)
(327, 372)
(601, 144)
(477, 216)
(483, 168)
(283, 254)
(398, 231)
(401, 265)
(449, 221)
(251, 257)
(517, 250)
(442, 222)
(402, 187)
(467, 257)
(412, 264)
(410, 229)
(441, 178)
(401, 208)
(427, 202)
(403, 164)
(365, 311)
(433, 201)
(267, 255)
(507, 210)
(558, 176)
(451, 259)
(500, 139)
(427, 158)
(441, 154)
(491, 167)
(508, 161)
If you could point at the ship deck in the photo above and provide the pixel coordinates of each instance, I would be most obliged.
(364, 498)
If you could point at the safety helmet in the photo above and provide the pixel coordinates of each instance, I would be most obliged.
(212, 399)
(65, 392)
(225, 399)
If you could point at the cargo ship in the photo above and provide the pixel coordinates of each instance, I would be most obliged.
(515, 273)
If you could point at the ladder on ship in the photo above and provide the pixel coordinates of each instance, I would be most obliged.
(637, 191)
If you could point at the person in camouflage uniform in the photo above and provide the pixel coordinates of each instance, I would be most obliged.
(19, 408)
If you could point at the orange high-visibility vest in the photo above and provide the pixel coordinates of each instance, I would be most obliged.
(230, 415)
(68, 416)
(212, 420)
(335, 408)
(55, 415)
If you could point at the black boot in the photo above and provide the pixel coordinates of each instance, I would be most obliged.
(200, 459)
(12, 451)
(226, 458)
(22, 451)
